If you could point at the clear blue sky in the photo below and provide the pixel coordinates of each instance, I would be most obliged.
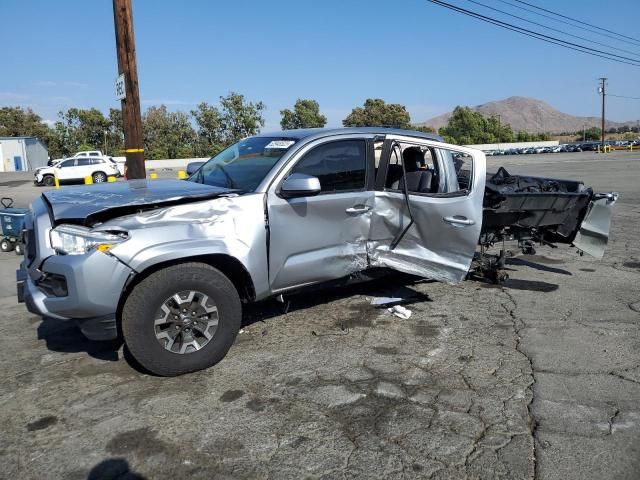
(61, 54)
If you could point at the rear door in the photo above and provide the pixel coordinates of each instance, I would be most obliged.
(323, 237)
(446, 189)
(84, 167)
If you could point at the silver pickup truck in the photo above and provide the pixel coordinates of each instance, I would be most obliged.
(167, 264)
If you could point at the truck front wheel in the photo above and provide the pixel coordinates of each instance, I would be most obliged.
(181, 319)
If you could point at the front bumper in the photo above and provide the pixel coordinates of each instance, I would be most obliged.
(94, 283)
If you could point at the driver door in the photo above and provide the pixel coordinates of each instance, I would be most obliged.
(433, 232)
(66, 169)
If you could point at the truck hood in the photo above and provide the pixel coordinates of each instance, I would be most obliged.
(91, 204)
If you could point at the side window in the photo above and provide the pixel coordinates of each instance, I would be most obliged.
(94, 154)
(340, 166)
(423, 172)
(463, 166)
(83, 162)
(429, 170)
(97, 161)
(68, 163)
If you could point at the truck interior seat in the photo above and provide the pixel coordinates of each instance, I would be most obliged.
(419, 179)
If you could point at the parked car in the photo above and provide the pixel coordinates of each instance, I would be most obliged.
(77, 168)
(83, 154)
(168, 264)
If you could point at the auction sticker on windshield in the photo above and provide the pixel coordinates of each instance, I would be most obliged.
(280, 144)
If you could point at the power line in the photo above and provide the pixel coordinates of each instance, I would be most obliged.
(633, 42)
(551, 28)
(537, 35)
(578, 21)
(622, 96)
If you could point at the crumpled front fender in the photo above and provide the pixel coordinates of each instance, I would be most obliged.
(232, 226)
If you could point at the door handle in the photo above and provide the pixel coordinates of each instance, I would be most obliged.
(358, 209)
(459, 220)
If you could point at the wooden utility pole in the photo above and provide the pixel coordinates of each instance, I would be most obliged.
(602, 92)
(131, 118)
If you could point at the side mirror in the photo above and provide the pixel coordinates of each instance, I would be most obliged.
(193, 167)
(300, 185)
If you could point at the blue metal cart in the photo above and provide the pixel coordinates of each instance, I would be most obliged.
(11, 223)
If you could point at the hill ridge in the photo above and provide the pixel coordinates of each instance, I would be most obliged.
(531, 115)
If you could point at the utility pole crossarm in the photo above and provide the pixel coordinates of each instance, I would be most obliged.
(131, 116)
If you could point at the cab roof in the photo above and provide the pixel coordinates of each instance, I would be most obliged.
(303, 133)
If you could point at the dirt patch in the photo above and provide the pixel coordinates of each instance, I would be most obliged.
(426, 330)
(361, 315)
(231, 395)
(142, 441)
(385, 350)
(14, 183)
(42, 423)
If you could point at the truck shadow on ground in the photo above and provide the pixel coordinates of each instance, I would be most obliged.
(397, 285)
(66, 337)
(536, 266)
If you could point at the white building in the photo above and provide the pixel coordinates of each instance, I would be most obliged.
(20, 154)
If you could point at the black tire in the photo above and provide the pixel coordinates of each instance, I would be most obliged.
(6, 245)
(99, 177)
(148, 296)
(48, 181)
(19, 248)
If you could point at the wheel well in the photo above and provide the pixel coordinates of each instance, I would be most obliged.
(231, 267)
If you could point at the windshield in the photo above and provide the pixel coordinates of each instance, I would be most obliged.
(243, 165)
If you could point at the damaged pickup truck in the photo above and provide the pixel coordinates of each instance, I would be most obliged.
(167, 264)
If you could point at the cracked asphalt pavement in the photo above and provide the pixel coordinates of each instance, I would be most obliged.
(538, 378)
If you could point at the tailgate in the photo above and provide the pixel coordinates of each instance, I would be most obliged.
(593, 235)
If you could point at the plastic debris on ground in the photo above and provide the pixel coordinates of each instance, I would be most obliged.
(400, 311)
(385, 300)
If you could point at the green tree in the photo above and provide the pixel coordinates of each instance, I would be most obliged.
(209, 129)
(523, 136)
(305, 114)
(84, 128)
(115, 135)
(422, 128)
(239, 119)
(543, 137)
(167, 134)
(468, 127)
(376, 113)
(17, 122)
(593, 133)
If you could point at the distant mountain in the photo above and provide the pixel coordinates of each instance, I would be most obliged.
(530, 115)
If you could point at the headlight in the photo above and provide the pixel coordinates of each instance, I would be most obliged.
(76, 240)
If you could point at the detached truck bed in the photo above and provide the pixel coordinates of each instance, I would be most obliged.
(545, 210)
